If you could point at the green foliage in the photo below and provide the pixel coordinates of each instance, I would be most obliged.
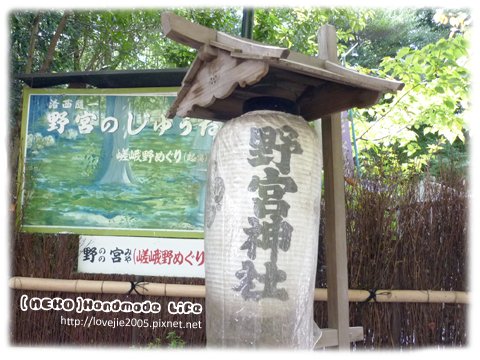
(155, 343)
(174, 341)
(297, 28)
(429, 112)
(165, 53)
(114, 40)
(103, 40)
(424, 48)
(391, 29)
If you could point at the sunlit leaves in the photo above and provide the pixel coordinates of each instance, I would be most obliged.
(297, 28)
(457, 20)
(430, 111)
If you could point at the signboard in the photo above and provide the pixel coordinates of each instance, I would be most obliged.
(141, 256)
(109, 162)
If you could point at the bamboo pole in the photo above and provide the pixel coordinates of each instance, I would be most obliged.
(403, 296)
(198, 291)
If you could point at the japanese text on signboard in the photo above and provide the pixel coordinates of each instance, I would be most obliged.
(104, 163)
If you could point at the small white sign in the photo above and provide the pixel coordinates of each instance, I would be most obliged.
(141, 256)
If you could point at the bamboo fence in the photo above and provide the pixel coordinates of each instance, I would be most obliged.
(198, 291)
(394, 241)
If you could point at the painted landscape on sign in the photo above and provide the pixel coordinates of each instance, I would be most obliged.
(97, 163)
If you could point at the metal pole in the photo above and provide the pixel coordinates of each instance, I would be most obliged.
(355, 148)
(247, 23)
(350, 117)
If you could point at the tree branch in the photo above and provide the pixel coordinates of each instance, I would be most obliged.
(33, 42)
(84, 46)
(93, 60)
(385, 136)
(53, 43)
(390, 109)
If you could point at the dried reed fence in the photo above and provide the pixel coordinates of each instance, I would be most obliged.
(404, 233)
(400, 236)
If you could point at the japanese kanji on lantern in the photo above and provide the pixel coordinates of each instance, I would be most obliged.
(263, 190)
(261, 232)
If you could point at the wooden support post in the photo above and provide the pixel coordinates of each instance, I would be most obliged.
(335, 232)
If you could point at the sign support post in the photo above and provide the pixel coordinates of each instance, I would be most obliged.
(335, 233)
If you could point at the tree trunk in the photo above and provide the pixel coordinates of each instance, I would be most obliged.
(53, 43)
(75, 47)
(93, 60)
(33, 42)
(110, 169)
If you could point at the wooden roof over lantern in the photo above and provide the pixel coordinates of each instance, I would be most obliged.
(229, 70)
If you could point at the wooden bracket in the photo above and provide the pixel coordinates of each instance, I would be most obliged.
(329, 337)
(216, 77)
(207, 53)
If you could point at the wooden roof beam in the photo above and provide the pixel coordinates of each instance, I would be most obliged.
(226, 65)
(332, 98)
(177, 28)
